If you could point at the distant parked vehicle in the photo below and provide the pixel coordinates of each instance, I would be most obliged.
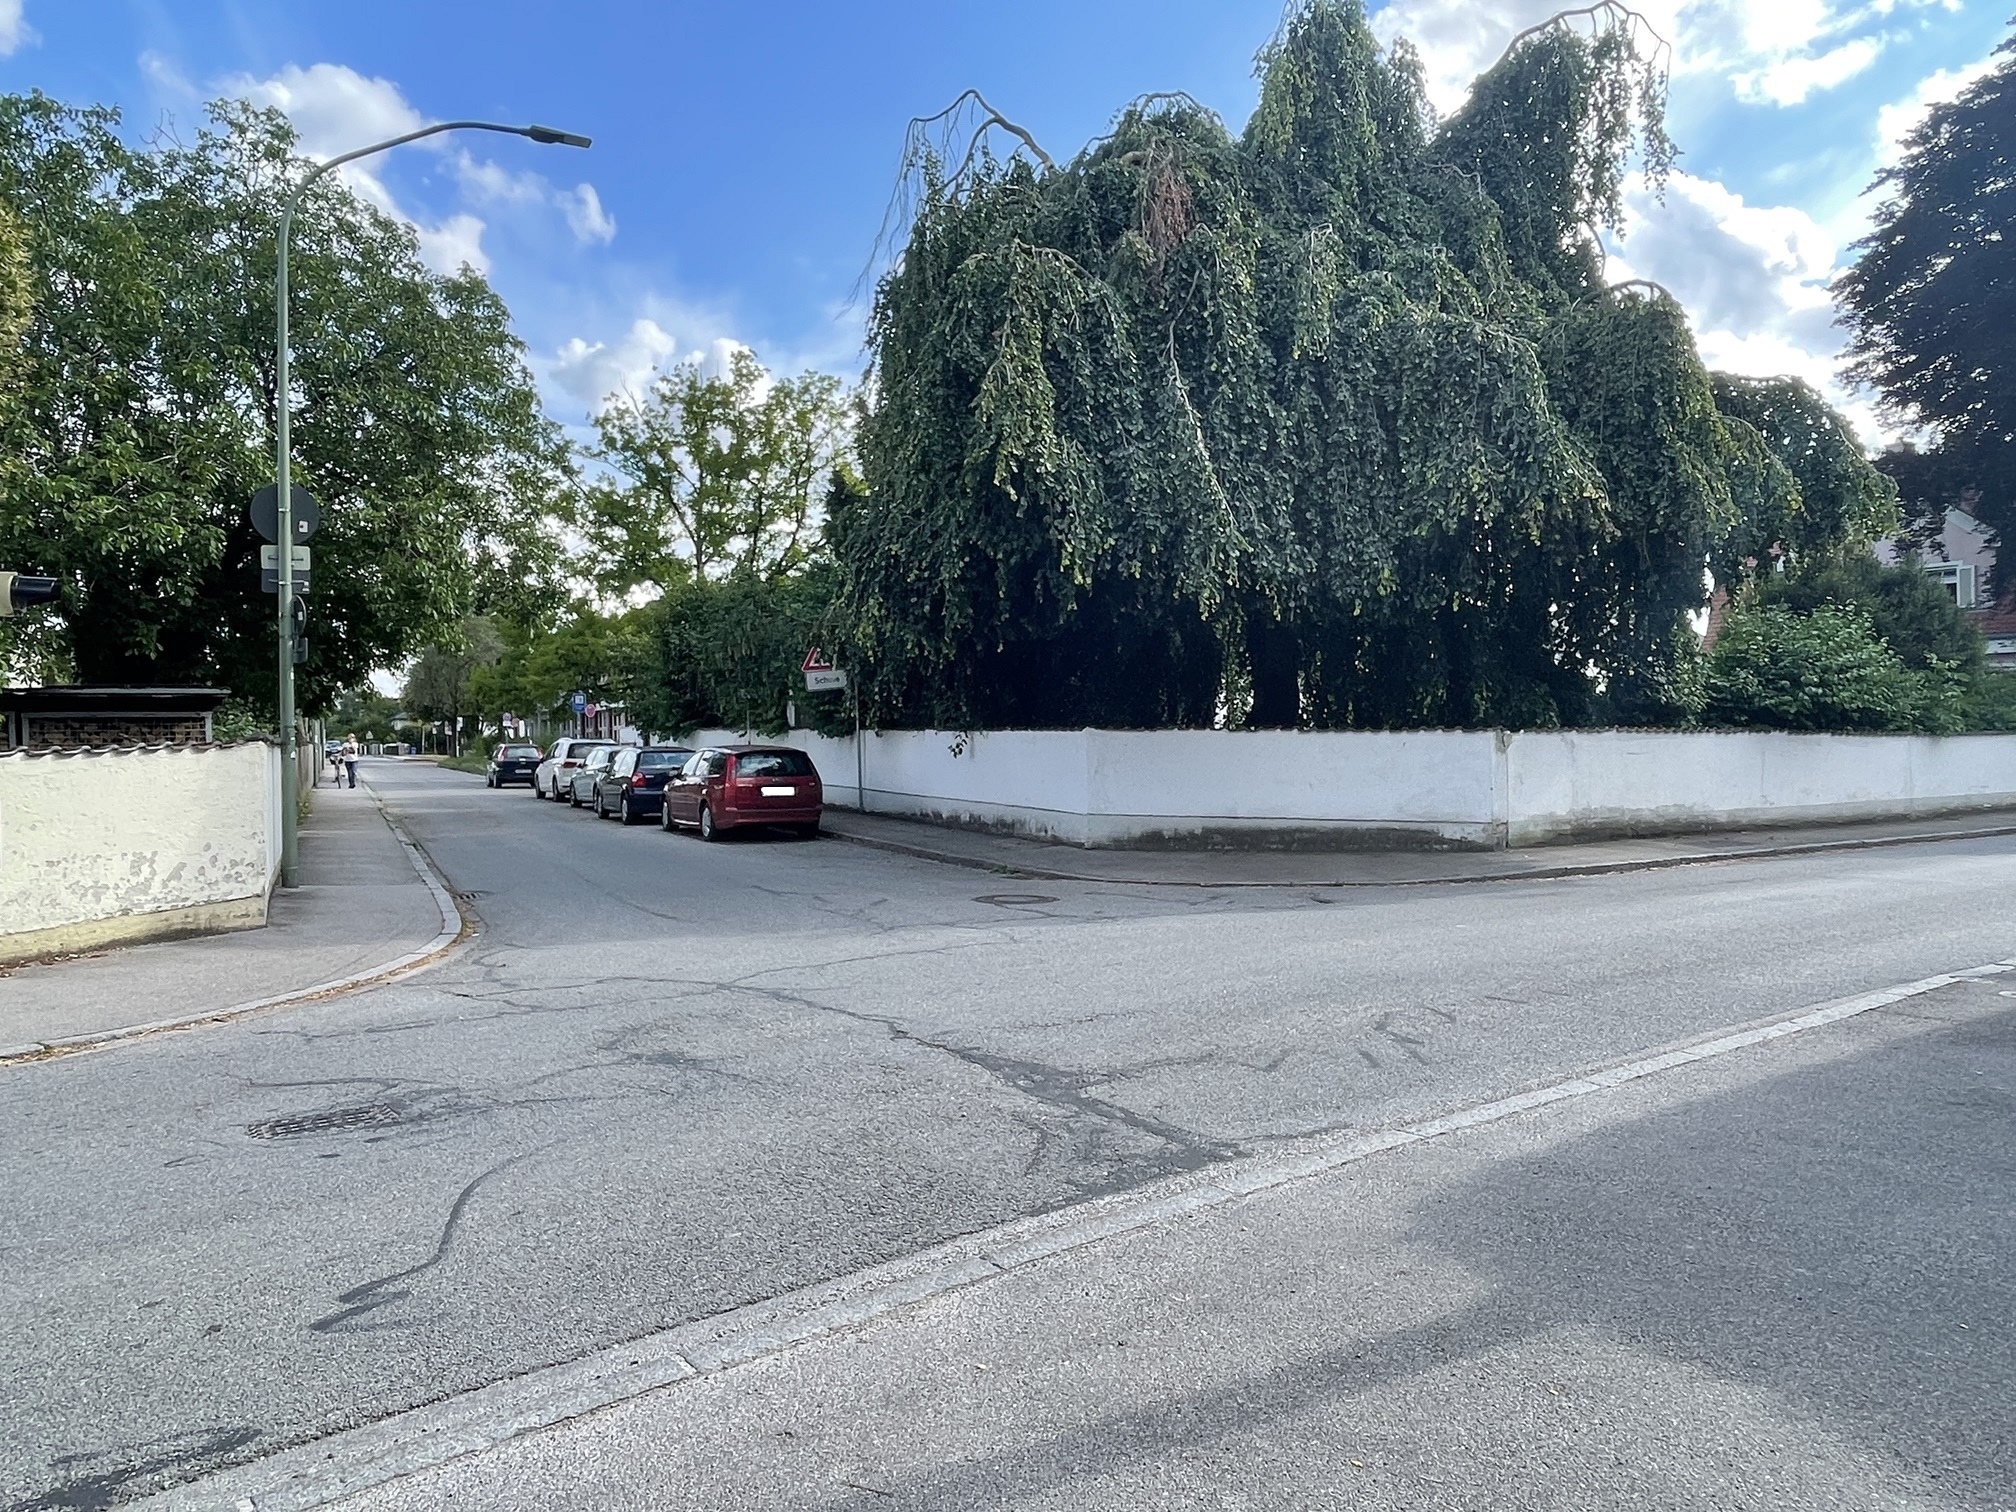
(580, 786)
(563, 758)
(633, 787)
(731, 787)
(513, 763)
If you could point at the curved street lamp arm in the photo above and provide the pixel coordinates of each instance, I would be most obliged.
(541, 134)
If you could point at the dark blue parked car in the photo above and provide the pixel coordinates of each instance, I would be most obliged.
(633, 786)
(513, 763)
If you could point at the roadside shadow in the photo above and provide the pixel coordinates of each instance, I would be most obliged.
(1841, 1237)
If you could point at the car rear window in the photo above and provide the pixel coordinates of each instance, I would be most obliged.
(662, 761)
(519, 753)
(773, 764)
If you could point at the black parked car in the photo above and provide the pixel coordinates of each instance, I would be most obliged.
(513, 763)
(633, 786)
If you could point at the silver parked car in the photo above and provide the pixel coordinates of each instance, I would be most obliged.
(579, 784)
(563, 759)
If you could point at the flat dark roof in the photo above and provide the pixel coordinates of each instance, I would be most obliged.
(88, 698)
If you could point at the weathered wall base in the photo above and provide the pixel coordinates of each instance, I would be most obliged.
(134, 929)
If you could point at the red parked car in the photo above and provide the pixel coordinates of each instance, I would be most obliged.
(727, 787)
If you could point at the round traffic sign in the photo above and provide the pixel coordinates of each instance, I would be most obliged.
(266, 513)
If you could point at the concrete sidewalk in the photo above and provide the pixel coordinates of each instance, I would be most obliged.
(1046, 861)
(363, 908)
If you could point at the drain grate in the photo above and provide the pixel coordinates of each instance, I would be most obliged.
(328, 1121)
(1015, 900)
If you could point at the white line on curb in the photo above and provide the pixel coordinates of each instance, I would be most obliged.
(452, 926)
(344, 1464)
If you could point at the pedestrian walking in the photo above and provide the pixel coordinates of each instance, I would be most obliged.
(350, 754)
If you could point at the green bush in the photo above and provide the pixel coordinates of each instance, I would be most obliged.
(1777, 669)
(1915, 616)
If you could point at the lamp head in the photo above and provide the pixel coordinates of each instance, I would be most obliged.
(550, 137)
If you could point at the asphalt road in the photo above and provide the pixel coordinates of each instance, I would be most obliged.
(1778, 1280)
(672, 1078)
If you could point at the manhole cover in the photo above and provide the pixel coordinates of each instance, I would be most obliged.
(328, 1121)
(1015, 900)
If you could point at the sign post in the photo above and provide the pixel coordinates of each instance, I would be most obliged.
(286, 515)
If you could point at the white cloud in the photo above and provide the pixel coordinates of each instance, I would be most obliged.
(1777, 52)
(592, 371)
(334, 108)
(590, 222)
(490, 182)
(15, 33)
(458, 240)
(1899, 119)
(1788, 81)
(162, 73)
(1753, 280)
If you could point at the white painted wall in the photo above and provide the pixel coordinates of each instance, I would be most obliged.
(88, 835)
(1317, 787)
(1563, 784)
(1410, 787)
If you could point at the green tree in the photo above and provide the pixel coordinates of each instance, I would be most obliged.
(1334, 423)
(442, 683)
(1932, 307)
(144, 412)
(590, 652)
(730, 654)
(365, 712)
(710, 476)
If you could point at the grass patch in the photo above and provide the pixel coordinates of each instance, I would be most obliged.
(468, 761)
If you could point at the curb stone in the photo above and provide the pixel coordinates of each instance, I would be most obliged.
(1535, 874)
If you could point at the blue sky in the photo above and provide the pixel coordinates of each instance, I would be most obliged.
(744, 153)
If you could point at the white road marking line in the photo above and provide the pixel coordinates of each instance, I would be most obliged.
(344, 1464)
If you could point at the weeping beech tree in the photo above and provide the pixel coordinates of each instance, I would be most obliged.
(1335, 423)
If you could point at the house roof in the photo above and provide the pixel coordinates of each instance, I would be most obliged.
(85, 699)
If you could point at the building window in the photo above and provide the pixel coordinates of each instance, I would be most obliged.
(1956, 577)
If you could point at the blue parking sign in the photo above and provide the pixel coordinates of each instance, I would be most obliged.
(580, 702)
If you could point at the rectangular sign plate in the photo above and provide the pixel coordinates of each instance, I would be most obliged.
(825, 682)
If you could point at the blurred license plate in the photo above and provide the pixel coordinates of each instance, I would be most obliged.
(780, 792)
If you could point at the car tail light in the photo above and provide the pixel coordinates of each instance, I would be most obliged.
(638, 781)
(570, 763)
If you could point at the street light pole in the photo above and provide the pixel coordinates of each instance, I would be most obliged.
(290, 769)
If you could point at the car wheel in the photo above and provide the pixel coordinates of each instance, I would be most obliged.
(708, 831)
(489, 781)
(623, 811)
(665, 817)
(573, 798)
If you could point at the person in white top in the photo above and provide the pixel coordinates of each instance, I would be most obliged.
(350, 753)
